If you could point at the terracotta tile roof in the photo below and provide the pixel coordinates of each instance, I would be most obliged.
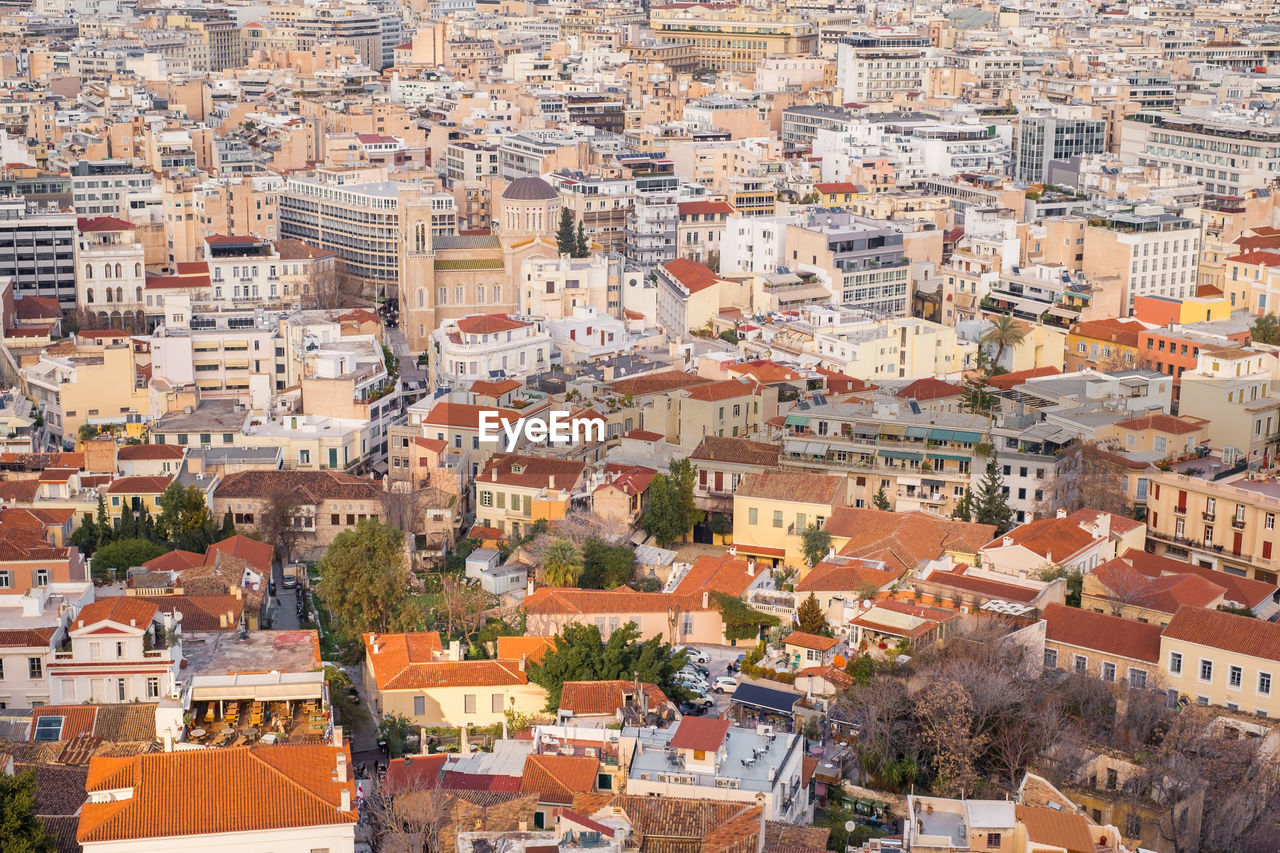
(532, 649)
(129, 723)
(465, 415)
(77, 720)
(557, 778)
(791, 486)
(174, 561)
(1165, 423)
(1006, 381)
(59, 790)
(692, 208)
(37, 308)
(629, 479)
(644, 435)
(725, 389)
(102, 223)
(902, 539)
(120, 609)
(691, 274)
(1051, 538)
(739, 451)
(137, 452)
(488, 324)
(26, 637)
(21, 544)
(413, 773)
(296, 250)
(779, 834)
(985, 587)
(1068, 830)
(258, 788)
(656, 382)
(567, 600)
(79, 749)
(415, 661)
(722, 573)
(1115, 330)
(20, 491)
(1102, 632)
(531, 472)
(701, 733)
(62, 828)
(494, 389)
(307, 487)
(1256, 258)
(202, 612)
(836, 187)
(1165, 593)
(256, 553)
(764, 371)
(1246, 591)
(929, 388)
(139, 485)
(1227, 631)
(930, 618)
(847, 576)
(833, 674)
(593, 698)
(658, 821)
(817, 642)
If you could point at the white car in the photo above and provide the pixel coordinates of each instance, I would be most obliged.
(725, 683)
(690, 681)
(695, 655)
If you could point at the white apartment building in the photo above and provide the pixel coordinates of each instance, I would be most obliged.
(877, 67)
(553, 288)
(488, 346)
(110, 272)
(588, 334)
(141, 643)
(755, 243)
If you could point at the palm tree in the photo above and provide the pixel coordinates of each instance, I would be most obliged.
(1004, 332)
(563, 564)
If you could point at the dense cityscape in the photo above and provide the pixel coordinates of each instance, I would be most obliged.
(639, 426)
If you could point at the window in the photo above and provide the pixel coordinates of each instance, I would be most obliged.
(1235, 675)
(6, 580)
(1137, 677)
(35, 668)
(1081, 663)
(753, 516)
(49, 728)
(469, 703)
(1133, 825)
(1113, 779)
(1051, 658)
(993, 841)
(153, 688)
(1206, 670)
(486, 499)
(419, 706)
(1264, 683)
(120, 689)
(777, 518)
(495, 703)
(1175, 663)
(1108, 671)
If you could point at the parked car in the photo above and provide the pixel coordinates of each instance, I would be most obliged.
(290, 581)
(699, 668)
(725, 683)
(736, 664)
(695, 655)
(689, 709)
(701, 701)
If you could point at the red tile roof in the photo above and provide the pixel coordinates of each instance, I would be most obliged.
(531, 648)
(929, 388)
(1227, 631)
(139, 485)
(465, 415)
(1112, 329)
(791, 486)
(557, 778)
(765, 372)
(723, 573)
(725, 389)
(738, 451)
(595, 698)
(1102, 632)
(628, 479)
(139, 452)
(102, 223)
(1245, 591)
(902, 539)
(567, 600)
(414, 662)
(849, 576)
(692, 275)
(413, 773)
(644, 435)
(257, 788)
(121, 609)
(656, 382)
(253, 551)
(700, 733)
(494, 389)
(1056, 538)
(817, 642)
(694, 208)
(836, 187)
(1165, 423)
(488, 324)
(534, 472)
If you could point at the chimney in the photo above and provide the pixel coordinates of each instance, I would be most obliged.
(422, 740)
(493, 475)
(345, 806)
(133, 623)
(342, 767)
(529, 586)
(455, 650)
(337, 736)
(222, 620)
(751, 567)
(1061, 513)
(524, 661)
(1006, 542)
(168, 742)
(706, 599)
(551, 481)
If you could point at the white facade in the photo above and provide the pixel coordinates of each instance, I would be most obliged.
(553, 288)
(112, 663)
(754, 243)
(589, 334)
(465, 357)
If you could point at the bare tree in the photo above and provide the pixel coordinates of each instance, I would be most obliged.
(463, 604)
(1125, 587)
(331, 286)
(1019, 742)
(277, 522)
(945, 714)
(409, 821)
(1088, 475)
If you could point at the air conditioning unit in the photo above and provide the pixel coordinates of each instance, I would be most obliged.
(590, 752)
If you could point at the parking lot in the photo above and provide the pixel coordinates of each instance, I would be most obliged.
(720, 658)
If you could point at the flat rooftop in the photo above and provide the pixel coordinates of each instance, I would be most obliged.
(749, 757)
(212, 653)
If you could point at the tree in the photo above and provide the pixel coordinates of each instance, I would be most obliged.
(394, 730)
(978, 398)
(964, 506)
(147, 524)
(128, 523)
(86, 535)
(815, 542)
(881, 500)
(364, 581)
(991, 504)
(1087, 475)
(20, 830)
(945, 714)
(741, 622)
(463, 603)
(124, 554)
(330, 286)
(579, 654)
(106, 529)
(563, 564)
(606, 566)
(409, 820)
(185, 519)
(671, 513)
(1004, 332)
(228, 525)
(276, 522)
(1266, 329)
(581, 246)
(810, 616)
(566, 240)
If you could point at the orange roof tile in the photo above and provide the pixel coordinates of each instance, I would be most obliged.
(139, 485)
(532, 649)
(120, 609)
(692, 275)
(1102, 632)
(540, 472)
(1227, 631)
(725, 389)
(845, 576)
(415, 661)
(594, 698)
(902, 539)
(556, 778)
(817, 642)
(257, 788)
(488, 324)
(465, 415)
(701, 733)
(929, 388)
(723, 573)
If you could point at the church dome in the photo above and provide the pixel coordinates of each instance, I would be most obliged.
(529, 189)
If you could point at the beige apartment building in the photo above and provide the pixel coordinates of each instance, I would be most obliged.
(735, 38)
(1150, 252)
(1211, 657)
(1232, 387)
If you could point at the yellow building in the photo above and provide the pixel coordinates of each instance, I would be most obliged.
(728, 408)
(735, 38)
(413, 675)
(1211, 657)
(771, 510)
(1117, 650)
(1233, 387)
(135, 493)
(513, 491)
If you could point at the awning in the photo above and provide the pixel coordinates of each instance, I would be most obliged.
(760, 550)
(962, 435)
(893, 429)
(793, 447)
(901, 454)
(917, 432)
(952, 456)
(866, 430)
(765, 699)
(797, 420)
(816, 449)
(942, 434)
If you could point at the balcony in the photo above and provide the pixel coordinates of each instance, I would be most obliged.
(1207, 516)
(1180, 510)
(1237, 523)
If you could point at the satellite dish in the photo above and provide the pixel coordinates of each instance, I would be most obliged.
(849, 826)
